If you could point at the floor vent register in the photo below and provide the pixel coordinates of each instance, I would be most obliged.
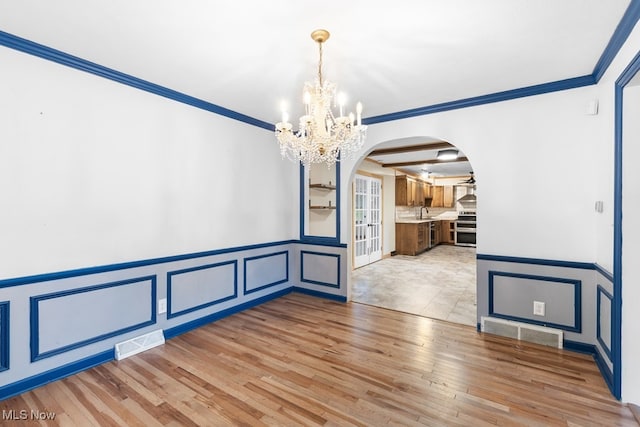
(522, 331)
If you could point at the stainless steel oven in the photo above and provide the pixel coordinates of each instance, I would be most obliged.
(465, 229)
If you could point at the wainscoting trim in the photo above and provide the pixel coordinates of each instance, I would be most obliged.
(35, 316)
(577, 295)
(171, 314)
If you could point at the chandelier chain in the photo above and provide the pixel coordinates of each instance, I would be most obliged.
(320, 63)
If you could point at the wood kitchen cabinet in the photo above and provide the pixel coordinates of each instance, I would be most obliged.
(436, 233)
(447, 232)
(412, 238)
(448, 197)
(427, 190)
(402, 189)
(411, 192)
(443, 196)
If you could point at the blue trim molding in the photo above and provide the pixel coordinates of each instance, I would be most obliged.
(55, 374)
(170, 275)
(602, 292)
(593, 351)
(318, 282)
(537, 261)
(126, 265)
(186, 327)
(577, 299)
(35, 316)
(620, 35)
(607, 275)
(540, 89)
(284, 279)
(44, 52)
(319, 294)
(4, 335)
(616, 338)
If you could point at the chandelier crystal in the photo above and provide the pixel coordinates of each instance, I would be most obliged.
(321, 137)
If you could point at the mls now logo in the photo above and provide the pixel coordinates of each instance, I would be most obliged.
(14, 415)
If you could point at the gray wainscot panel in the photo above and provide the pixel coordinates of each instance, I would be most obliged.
(320, 268)
(198, 287)
(512, 295)
(66, 320)
(604, 319)
(264, 271)
(605, 301)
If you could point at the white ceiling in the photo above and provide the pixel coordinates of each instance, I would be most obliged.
(250, 55)
(424, 151)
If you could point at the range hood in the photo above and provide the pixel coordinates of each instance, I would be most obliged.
(468, 198)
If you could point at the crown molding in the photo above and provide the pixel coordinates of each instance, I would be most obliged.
(44, 52)
(620, 35)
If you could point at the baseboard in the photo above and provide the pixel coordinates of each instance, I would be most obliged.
(319, 294)
(55, 374)
(64, 371)
(592, 350)
(579, 347)
(186, 327)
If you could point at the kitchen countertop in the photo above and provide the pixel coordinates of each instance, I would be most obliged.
(416, 221)
(441, 217)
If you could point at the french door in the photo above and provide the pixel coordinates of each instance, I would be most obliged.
(367, 220)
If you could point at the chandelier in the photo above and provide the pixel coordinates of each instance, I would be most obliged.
(321, 137)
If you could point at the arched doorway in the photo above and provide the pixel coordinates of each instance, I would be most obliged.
(439, 279)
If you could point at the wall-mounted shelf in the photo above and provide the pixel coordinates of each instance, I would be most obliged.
(321, 192)
(321, 207)
(323, 186)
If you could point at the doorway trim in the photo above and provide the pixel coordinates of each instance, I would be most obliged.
(627, 75)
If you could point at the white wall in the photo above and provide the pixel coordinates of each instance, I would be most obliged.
(531, 149)
(93, 172)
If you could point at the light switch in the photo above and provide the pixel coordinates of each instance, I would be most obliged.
(162, 306)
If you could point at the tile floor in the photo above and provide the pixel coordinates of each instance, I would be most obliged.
(440, 283)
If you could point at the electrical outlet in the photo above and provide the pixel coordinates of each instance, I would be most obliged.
(162, 306)
(538, 308)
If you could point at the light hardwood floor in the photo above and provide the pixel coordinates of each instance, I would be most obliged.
(301, 360)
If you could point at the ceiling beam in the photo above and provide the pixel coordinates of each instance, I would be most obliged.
(421, 162)
(411, 148)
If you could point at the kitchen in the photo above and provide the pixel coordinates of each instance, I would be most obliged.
(429, 214)
(428, 265)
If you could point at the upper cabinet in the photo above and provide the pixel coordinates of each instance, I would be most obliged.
(411, 192)
(443, 196)
(402, 191)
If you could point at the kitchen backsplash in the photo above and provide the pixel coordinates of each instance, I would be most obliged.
(413, 212)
